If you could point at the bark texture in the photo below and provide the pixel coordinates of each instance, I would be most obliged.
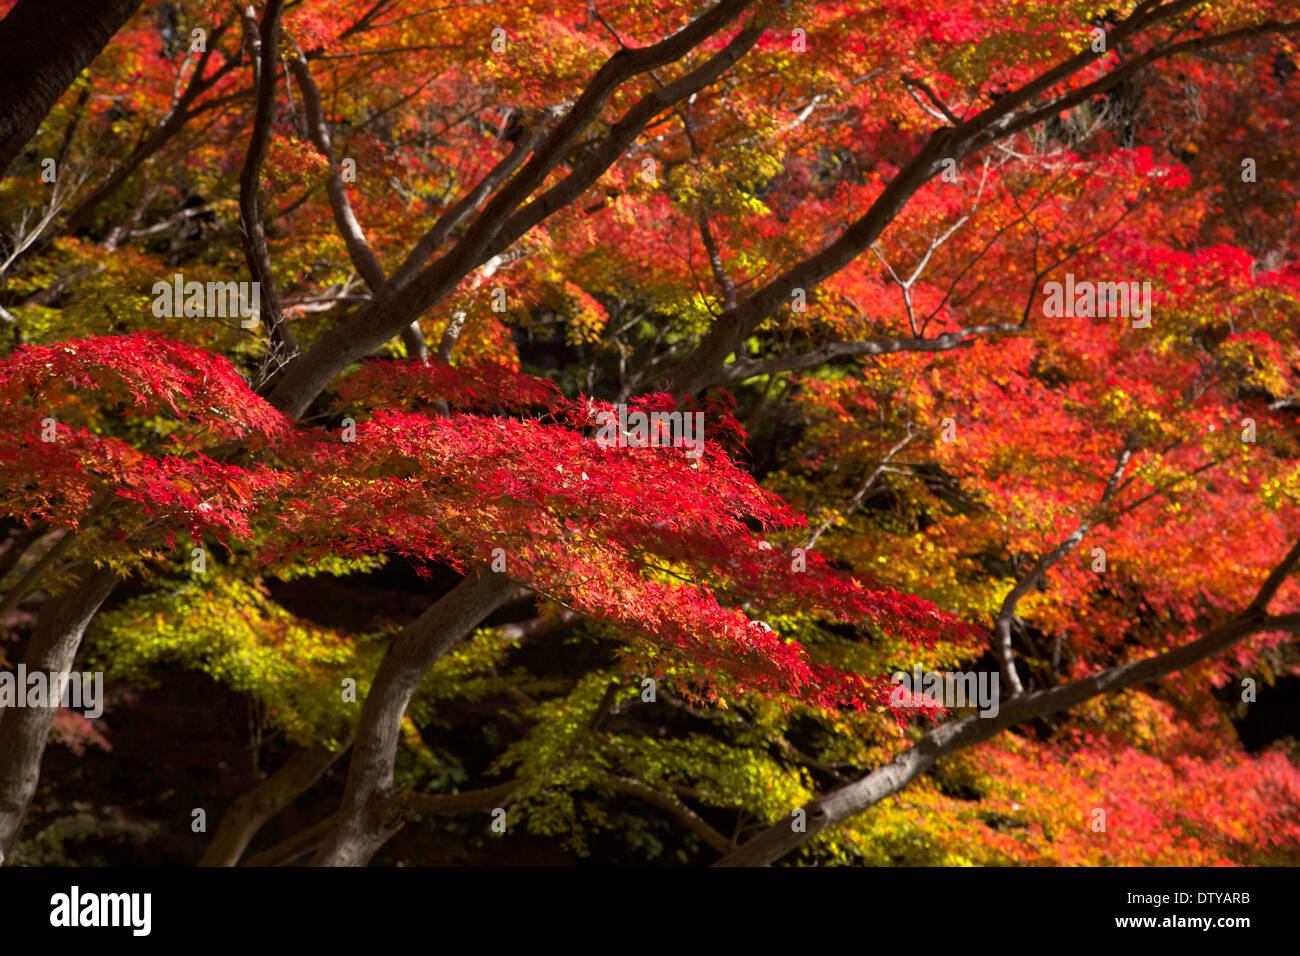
(44, 45)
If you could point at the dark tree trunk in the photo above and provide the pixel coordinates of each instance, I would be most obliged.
(23, 730)
(370, 812)
(44, 45)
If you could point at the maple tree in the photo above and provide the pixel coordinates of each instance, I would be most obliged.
(470, 237)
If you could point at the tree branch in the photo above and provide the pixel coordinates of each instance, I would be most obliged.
(251, 810)
(703, 367)
(946, 739)
(345, 220)
(372, 809)
(252, 226)
(495, 228)
(666, 802)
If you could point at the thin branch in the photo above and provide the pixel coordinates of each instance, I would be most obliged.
(666, 802)
(743, 369)
(1046, 561)
(853, 503)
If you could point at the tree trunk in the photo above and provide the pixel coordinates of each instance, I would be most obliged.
(44, 45)
(23, 730)
(370, 813)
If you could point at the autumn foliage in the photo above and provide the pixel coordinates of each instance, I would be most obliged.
(908, 460)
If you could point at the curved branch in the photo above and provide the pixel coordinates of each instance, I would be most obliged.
(666, 802)
(777, 840)
(251, 810)
(373, 809)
